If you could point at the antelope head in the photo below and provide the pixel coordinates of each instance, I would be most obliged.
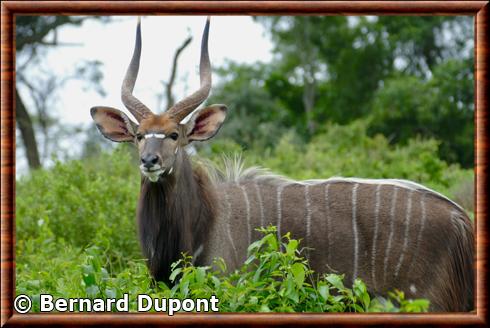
(160, 137)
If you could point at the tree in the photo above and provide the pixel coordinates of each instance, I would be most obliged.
(440, 107)
(34, 35)
(258, 119)
(338, 68)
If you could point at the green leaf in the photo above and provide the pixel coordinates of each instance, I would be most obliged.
(335, 280)
(89, 279)
(264, 308)
(110, 293)
(250, 259)
(291, 247)
(175, 273)
(200, 274)
(299, 273)
(92, 291)
(323, 291)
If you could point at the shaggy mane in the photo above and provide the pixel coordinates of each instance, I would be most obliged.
(233, 170)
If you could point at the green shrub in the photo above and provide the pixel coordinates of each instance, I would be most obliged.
(82, 203)
(274, 278)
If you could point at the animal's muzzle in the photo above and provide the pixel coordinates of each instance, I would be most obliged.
(149, 161)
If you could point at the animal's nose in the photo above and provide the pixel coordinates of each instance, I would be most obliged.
(149, 160)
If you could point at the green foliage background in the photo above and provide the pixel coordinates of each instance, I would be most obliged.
(409, 76)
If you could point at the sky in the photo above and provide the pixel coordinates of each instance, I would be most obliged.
(235, 38)
(231, 38)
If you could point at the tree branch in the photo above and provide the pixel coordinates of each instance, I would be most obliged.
(169, 85)
(38, 36)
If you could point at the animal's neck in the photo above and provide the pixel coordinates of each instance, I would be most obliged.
(174, 215)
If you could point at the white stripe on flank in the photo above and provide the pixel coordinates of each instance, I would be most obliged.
(405, 238)
(261, 206)
(228, 216)
(354, 229)
(197, 253)
(375, 237)
(392, 224)
(308, 215)
(329, 232)
(419, 235)
(247, 203)
(279, 210)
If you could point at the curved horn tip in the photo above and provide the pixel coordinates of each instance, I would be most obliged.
(208, 21)
(184, 107)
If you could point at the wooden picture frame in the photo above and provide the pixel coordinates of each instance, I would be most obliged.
(478, 9)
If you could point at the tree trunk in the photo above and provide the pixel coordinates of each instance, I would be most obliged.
(27, 132)
(309, 58)
(309, 103)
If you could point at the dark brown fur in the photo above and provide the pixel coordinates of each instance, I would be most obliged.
(174, 215)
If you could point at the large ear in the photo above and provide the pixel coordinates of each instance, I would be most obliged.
(113, 124)
(205, 122)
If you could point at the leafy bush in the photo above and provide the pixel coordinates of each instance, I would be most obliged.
(82, 203)
(274, 278)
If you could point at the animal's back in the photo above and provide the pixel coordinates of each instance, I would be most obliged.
(390, 233)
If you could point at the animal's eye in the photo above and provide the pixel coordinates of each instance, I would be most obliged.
(139, 136)
(174, 135)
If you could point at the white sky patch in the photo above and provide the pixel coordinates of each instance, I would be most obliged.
(236, 38)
